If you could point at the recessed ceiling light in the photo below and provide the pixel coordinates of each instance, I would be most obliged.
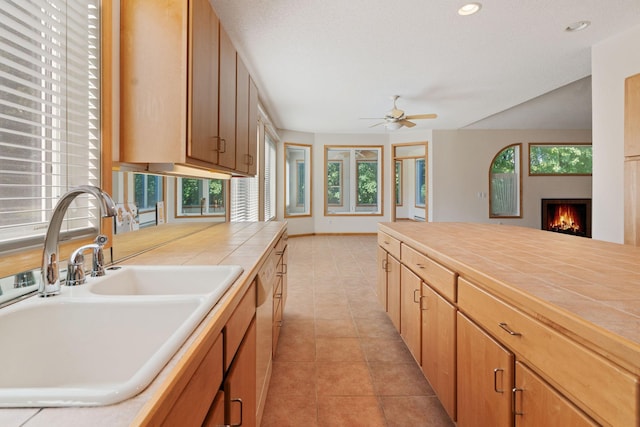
(469, 9)
(577, 26)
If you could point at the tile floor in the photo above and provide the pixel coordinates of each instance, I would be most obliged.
(340, 361)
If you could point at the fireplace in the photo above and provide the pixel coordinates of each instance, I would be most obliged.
(567, 216)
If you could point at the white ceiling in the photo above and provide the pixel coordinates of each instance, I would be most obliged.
(322, 65)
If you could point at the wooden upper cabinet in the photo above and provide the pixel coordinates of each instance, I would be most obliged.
(203, 142)
(153, 77)
(632, 116)
(242, 116)
(227, 102)
(179, 89)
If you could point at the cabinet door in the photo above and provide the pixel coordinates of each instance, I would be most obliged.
(381, 284)
(485, 378)
(439, 347)
(393, 291)
(537, 404)
(215, 417)
(227, 102)
(203, 81)
(242, 116)
(410, 323)
(240, 385)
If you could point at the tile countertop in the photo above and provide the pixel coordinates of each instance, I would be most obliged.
(242, 244)
(588, 289)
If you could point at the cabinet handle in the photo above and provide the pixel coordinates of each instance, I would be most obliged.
(515, 391)
(222, 145)
(278, 295)
(495, 379)
(241, 407)
(422, 307)
(279, 252)
(504, 326)
(420, 266)
(284, 270)
(385, 265)
(414, 296)
(249, 159)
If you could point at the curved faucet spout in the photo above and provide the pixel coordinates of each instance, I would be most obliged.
(50, 284)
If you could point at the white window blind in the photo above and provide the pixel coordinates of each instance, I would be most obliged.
(49, 114)
(244, 199)
(269, 178)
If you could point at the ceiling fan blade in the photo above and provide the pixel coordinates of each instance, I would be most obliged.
(422, 116)
(377, 124)
(395, 113)
(407, 123)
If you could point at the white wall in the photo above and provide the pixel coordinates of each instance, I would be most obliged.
(611, 62)
(459, 169)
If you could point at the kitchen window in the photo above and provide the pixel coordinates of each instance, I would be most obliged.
(49, 116)
(200, 197)
(353, 180)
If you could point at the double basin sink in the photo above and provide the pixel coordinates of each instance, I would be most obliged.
(104, 341)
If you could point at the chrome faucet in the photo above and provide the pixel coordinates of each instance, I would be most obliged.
(75, 267)
(50, 284)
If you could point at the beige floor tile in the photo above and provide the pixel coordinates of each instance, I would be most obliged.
(349, 411)
(399, 379)
(331, 349)
(293, 378)
(415, 411)
(344, 379)
(378, 325)
(336, 328)
(386, 350)
(292, 411)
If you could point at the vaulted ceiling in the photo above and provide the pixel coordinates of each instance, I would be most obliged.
(323, 65)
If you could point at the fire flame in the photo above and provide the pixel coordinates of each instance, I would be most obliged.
(565, 218)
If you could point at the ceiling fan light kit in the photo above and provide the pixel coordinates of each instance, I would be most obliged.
(396, 118)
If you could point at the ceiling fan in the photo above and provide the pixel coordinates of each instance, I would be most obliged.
(395, 118)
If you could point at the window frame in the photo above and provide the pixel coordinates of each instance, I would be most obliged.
(203, 182)
(291, 199)
(352, 178)
(518, 167)
(532, 145)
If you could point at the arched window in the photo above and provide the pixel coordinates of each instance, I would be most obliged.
(505, 183)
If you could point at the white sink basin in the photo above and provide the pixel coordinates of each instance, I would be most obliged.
(86, 348)
(165, 280)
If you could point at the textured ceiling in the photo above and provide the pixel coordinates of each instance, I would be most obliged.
(322, 65)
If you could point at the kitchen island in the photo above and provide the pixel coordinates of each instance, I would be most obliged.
(244, 244)
(563, 312)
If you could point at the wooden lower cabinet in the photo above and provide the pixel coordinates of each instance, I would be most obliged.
(193, 403)
(215, 417)
(485, 378)
(439, 347)
(537, 404)
(410, 320)
(388, 285)
(240, 384)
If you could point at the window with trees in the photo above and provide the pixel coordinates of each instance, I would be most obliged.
(148, 191)
(353, 180)
(200, 197)
(560, 159)
(505, 182)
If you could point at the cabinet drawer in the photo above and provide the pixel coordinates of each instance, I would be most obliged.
(194, 402)
(602, 389)
(238, 324)
(435, 275)
(390, 244)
